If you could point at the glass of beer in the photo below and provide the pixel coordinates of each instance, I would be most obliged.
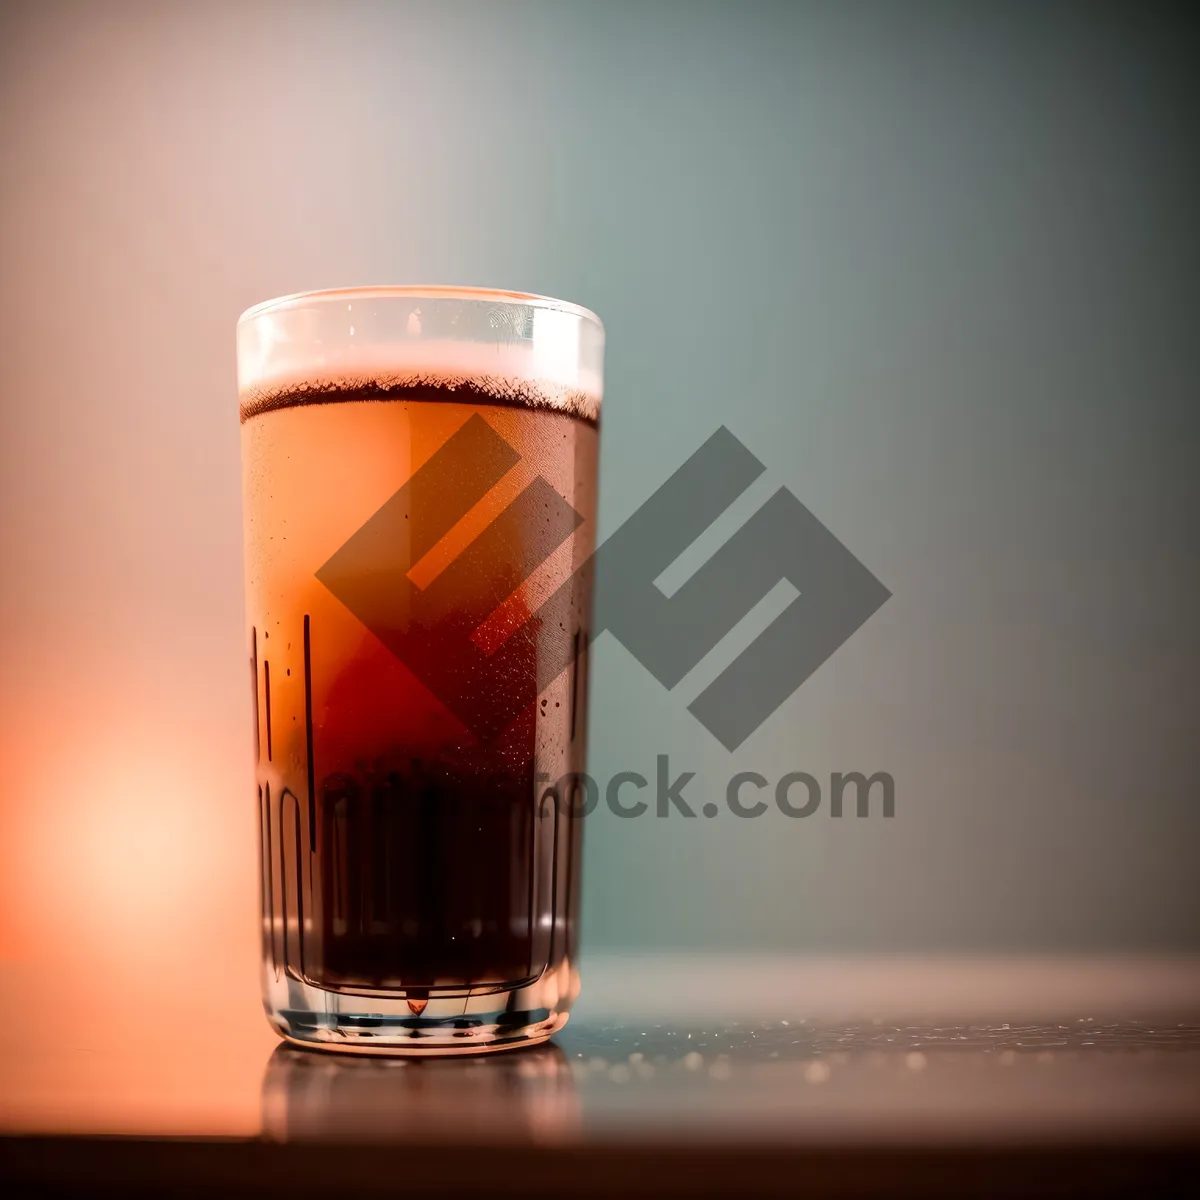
(419, 472)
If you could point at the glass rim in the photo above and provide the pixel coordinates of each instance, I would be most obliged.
(418, 292)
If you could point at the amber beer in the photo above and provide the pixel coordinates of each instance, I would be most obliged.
(415, 696)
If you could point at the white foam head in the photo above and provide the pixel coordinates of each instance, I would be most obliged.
(508, 347)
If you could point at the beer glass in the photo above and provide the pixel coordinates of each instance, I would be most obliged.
(419, 469)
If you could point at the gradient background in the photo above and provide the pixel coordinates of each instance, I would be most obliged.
(936, 264)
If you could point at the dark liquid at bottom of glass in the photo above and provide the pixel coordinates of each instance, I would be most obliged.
(428, 881)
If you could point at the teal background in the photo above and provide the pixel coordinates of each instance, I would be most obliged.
(935, 264)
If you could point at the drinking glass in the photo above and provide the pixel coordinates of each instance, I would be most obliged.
(419, 470)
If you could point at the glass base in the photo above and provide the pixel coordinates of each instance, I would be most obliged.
(394, 1024)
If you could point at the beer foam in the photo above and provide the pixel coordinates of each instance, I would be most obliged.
(513, 375)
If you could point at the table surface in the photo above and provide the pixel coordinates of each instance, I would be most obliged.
(904, 1074)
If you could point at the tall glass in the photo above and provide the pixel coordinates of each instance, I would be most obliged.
(419, 473)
